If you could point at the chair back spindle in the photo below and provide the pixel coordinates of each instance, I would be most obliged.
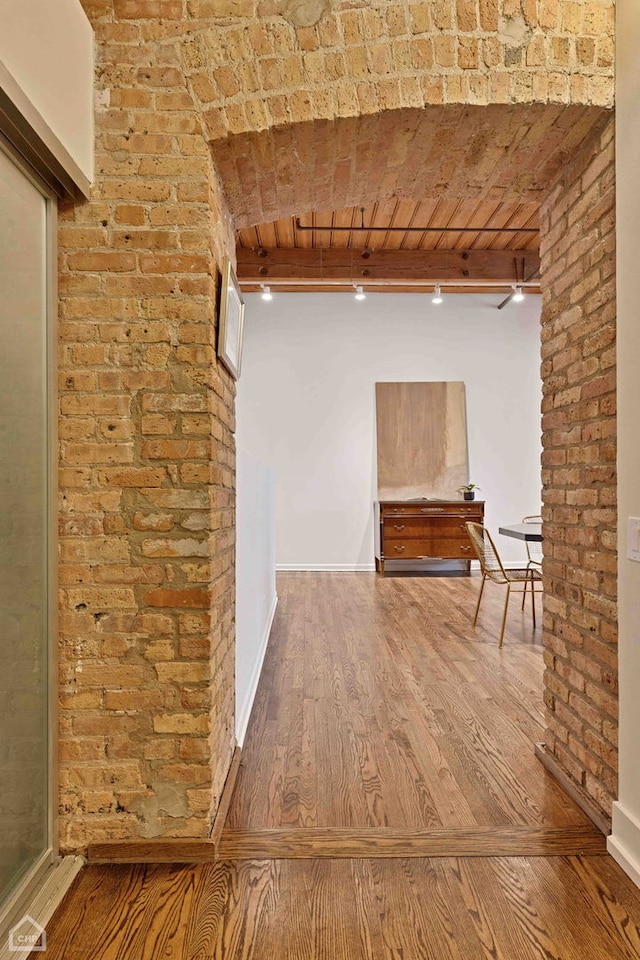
(486, 552)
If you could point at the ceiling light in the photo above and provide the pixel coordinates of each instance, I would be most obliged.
(518, 295)
(360, 294)
(266, 293)
(437, 295)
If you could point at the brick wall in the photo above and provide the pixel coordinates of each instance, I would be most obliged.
(146, 456)
(579, 469)
(265, 63)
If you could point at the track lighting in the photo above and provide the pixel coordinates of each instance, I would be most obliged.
(360, 294)
(518, 295)
(266, 293)
(437, 295)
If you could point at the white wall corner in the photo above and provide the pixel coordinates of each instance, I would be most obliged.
(624, 842)
(243, 710)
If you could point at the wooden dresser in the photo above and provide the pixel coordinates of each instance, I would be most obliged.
(424, 530)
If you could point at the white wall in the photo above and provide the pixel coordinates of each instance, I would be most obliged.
(625, 841)
(46, 50)
(255, 579)
(306, 404)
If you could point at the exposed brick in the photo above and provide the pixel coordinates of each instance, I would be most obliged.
(180, 723)
(581, 591)
(177, 598)
(137, 265)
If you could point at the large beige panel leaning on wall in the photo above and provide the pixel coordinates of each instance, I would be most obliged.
(422, 439)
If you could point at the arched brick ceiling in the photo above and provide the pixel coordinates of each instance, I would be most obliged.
(496, 152)
(324, 104)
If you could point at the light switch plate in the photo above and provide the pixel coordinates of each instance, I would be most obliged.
(633, 538)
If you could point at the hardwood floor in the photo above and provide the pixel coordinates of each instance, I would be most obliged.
(388, 805)
(381, 706)
(561, 908)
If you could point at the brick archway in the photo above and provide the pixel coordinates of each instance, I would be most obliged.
(201, 107)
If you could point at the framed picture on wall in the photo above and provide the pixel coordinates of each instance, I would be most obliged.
(231, 324)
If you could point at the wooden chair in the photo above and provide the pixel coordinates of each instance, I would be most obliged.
(493, 569)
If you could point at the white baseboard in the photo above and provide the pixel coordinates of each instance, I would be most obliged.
(43, 903)
(368, 567)
(244, 712)
(624, 842)
(328, 567)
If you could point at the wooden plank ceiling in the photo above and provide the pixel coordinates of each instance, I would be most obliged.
(309, 253)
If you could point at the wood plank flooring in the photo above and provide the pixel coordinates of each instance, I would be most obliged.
(380, 706)
(561, 908)
(387, 795)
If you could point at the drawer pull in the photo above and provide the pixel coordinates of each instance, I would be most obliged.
(431, 510)
(462, 547)
(398, 526)
(399, 549)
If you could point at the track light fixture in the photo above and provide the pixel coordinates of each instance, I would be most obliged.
(266, 292)
(437, 295)
(359, 294)
(518, 295)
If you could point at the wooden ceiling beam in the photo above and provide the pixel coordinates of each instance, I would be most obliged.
(391, 266)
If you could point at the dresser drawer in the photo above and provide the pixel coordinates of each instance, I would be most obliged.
(424, 508)
(423, 549)
(419, 509)
(472, 511)
(399, 528)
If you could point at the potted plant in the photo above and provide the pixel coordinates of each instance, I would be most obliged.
(468, 490)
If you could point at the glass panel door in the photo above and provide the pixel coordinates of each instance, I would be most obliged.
(24, 620)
